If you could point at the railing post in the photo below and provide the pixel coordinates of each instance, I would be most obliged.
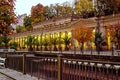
(117, 72)
(24, 63)
(6, 60)
(59, 66)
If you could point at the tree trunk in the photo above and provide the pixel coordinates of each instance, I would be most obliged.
(6, 46)
(30, 48)
(55, 48)
(41, 48)
(66, 47)
(46, 49)
(37, 48)
(82, 48)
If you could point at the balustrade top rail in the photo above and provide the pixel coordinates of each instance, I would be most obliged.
(106, 58)
(57, 66)
(83, 57)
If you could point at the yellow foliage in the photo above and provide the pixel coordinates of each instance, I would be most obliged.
(82, 34)
(83, 5)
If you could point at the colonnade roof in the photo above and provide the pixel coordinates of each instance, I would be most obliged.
(68, 25)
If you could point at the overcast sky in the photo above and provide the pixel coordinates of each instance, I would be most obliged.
(24, 6)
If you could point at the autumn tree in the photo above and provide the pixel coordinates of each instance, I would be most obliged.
(66, 9)
(37, 13)
(83, 7)
(114, 32)
(82, 34)
(7, 16)
(57, 10)
(111, 5)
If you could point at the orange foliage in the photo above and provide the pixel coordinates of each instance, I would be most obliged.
(82, 34)
(38, 13)
(110, 31)
(7, 16)
(113, 31)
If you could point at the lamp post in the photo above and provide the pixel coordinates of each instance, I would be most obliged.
(98, 37)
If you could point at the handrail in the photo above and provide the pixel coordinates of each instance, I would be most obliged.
(93, 61)
(66, 66)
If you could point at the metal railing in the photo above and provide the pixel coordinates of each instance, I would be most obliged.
(66, 66)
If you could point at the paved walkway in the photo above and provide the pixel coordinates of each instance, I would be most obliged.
(3, 77)
(16, 75)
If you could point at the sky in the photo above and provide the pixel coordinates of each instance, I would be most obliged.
(24, 6)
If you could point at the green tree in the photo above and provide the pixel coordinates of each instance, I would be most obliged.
(1, 44)
(28, 23)
(37, 43)
(13, 45)
(46, 43)
(98, 41)
(30, 41)
(5, 40)
(20, 29)
(54, 41)
(67, 41)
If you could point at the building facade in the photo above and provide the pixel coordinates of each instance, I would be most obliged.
(62, 28)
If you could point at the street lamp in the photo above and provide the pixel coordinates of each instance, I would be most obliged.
(98, 38)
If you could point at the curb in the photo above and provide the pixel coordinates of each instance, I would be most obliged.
(7, 76)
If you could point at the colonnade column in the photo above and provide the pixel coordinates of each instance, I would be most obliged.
(55, 45)
(50, 43)
(22, 42)
(41, 41)
(60, 47)
(19, 43)
(66, 37)
(73, 43)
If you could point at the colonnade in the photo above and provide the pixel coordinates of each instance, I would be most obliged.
(59, 35)
(42, 37)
